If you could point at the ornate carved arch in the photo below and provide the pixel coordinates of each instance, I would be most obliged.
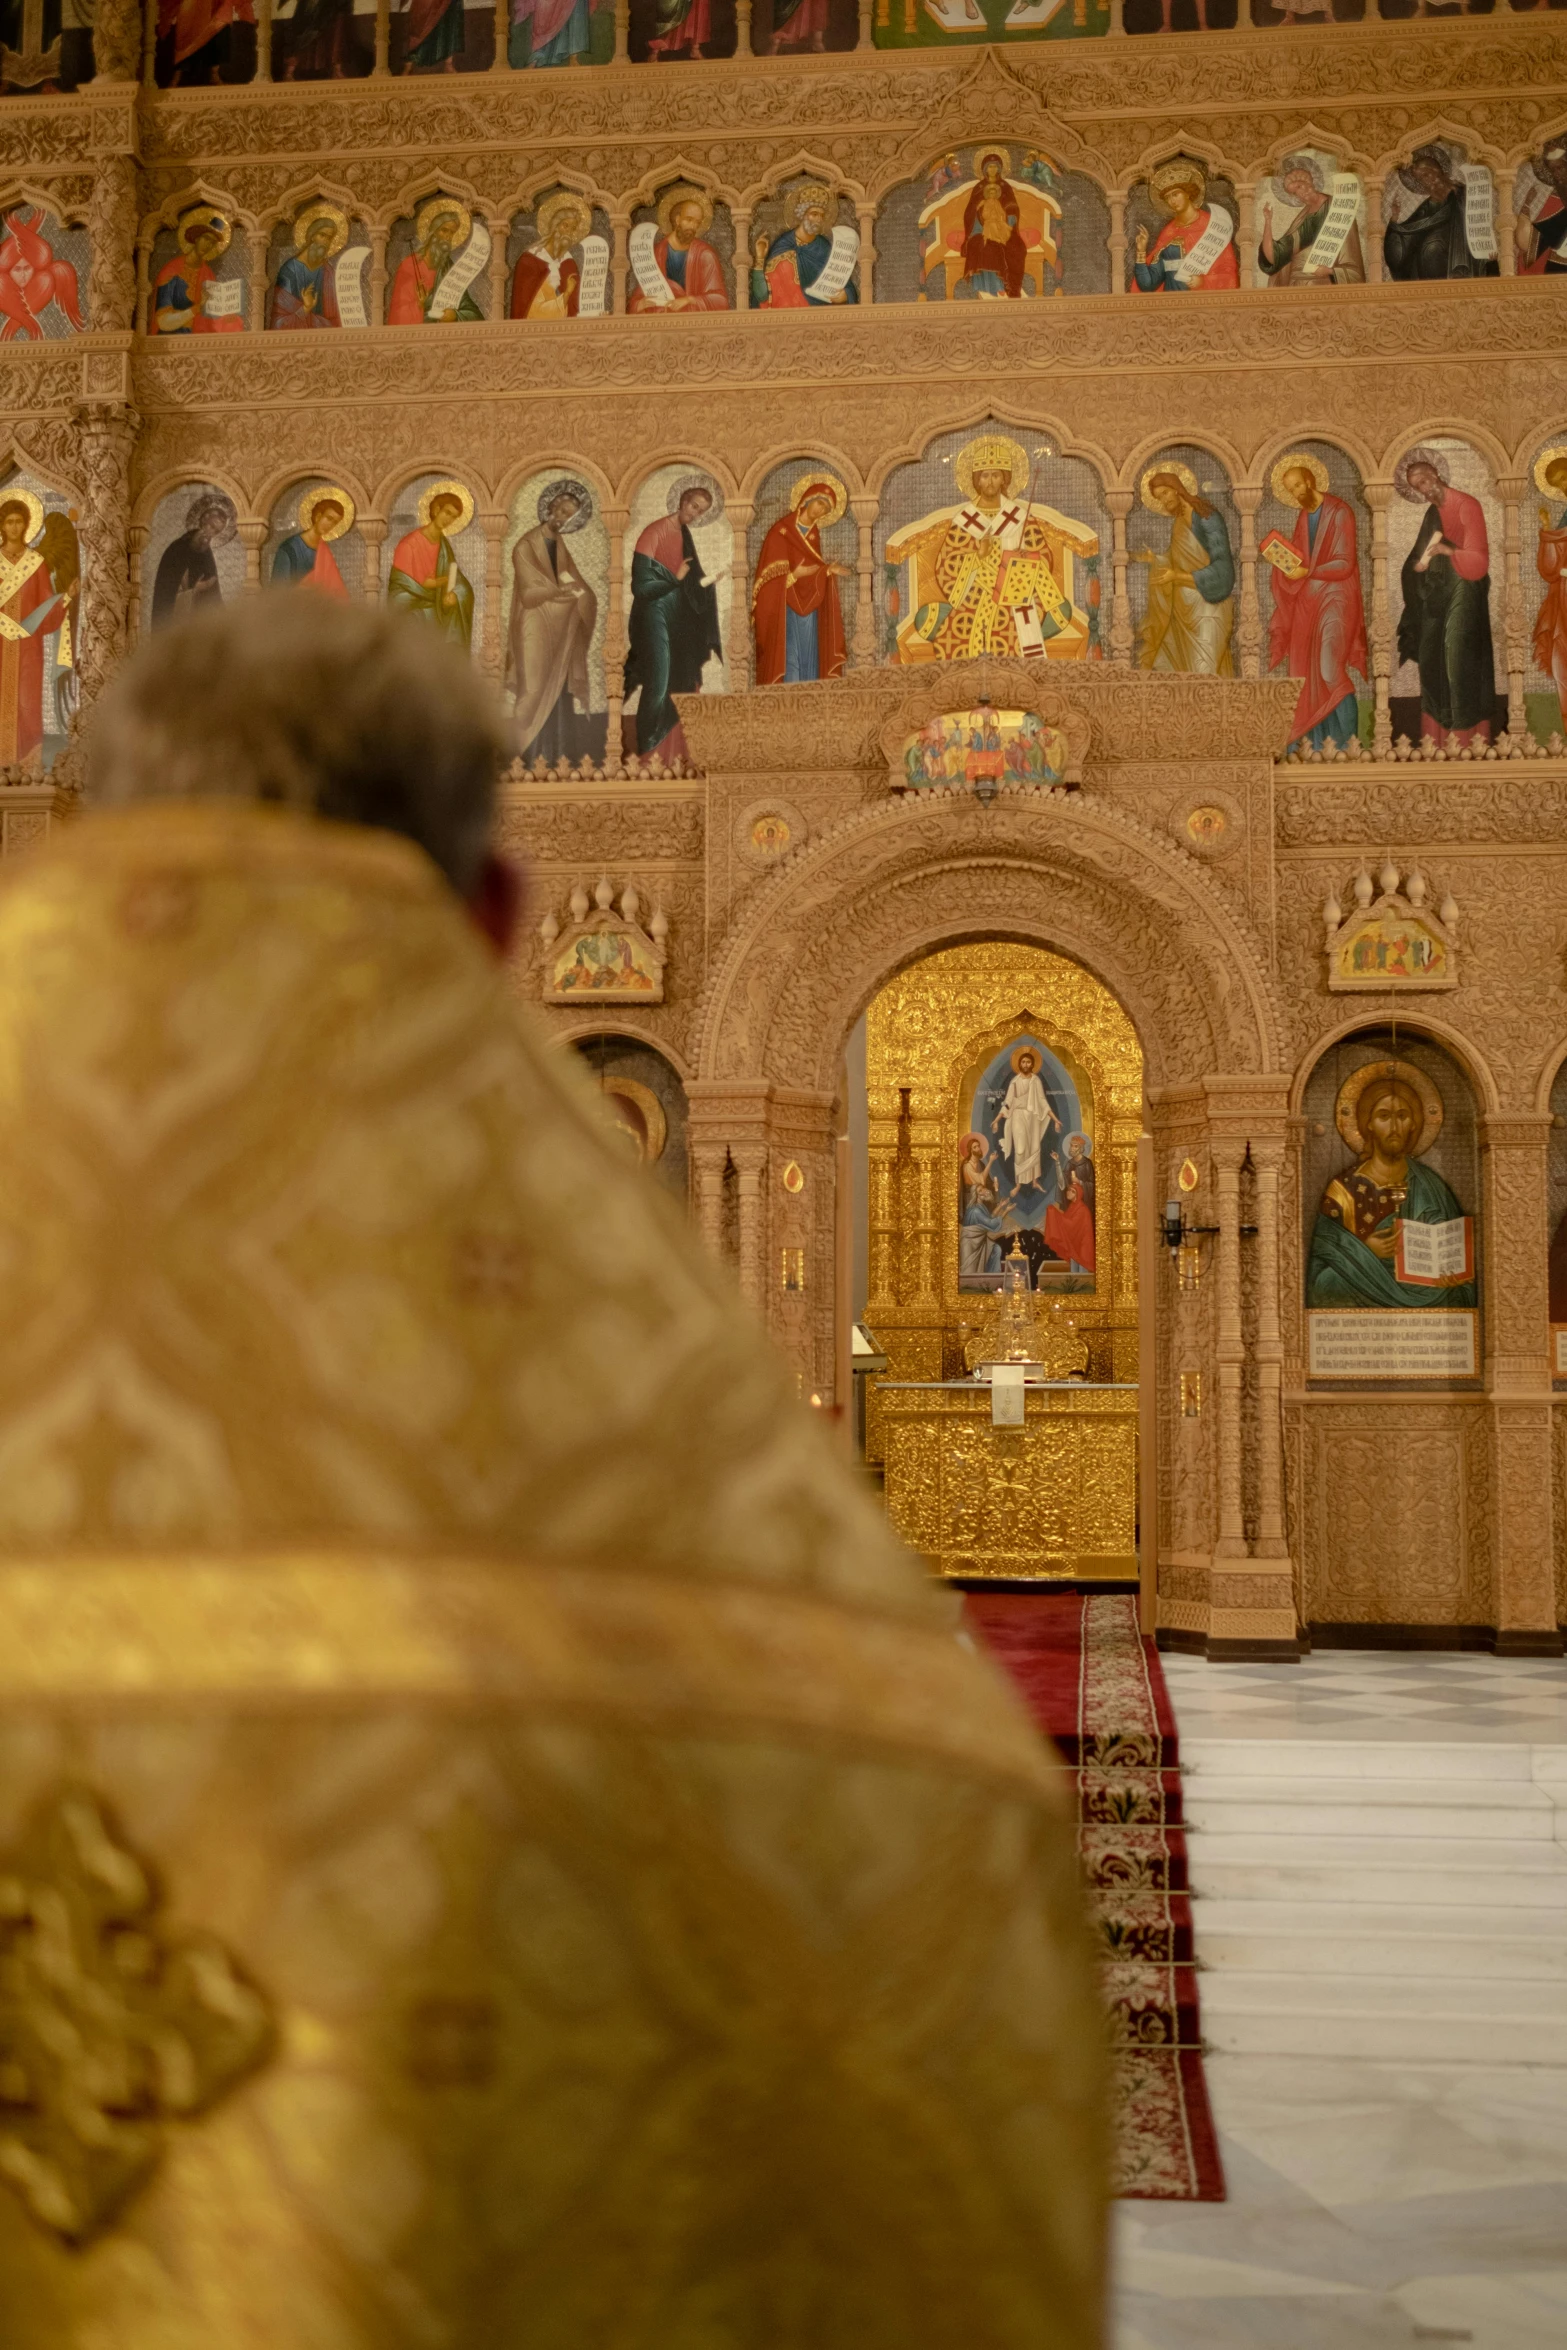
(1075, 874)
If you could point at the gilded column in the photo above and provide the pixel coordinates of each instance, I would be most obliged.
(865, 215)
(1115, 242)
(1247, 233)
(256, 285)
(263, 40)
(864, 652)
(143, 283)
(615, 519)
(383, 38)
(1373, 237)
(377, 276)
(253, 537)
(622, 31)
(149, 53)
(113, 293)
(1506, 226)
(500, 231)
(372, 531)
(1230, 1350)
(1379, 497)
(743, 44)
(107, 434)
(750, 1164)
(501, 61)
(1120, 505)
(492, 644)
(1249, 620)
(136, 543)
(738, 638)
(922, 1220)
(119, 30)
(619, 263)
(1515, 627)
(867, 39)
(1515, 1231)
(742, 263)
(707, 1171)
(1268, 1354)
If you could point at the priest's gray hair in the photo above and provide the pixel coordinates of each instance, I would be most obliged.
(361, 716)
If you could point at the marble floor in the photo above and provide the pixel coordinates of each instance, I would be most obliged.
(1371, 2202)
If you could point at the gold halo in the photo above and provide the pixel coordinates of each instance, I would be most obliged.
(992, 147)
(563, 200)
(1183, 474)
(1547, 457)
(988, 454)
(13, 496)
(821, 481)
(1346, 1112)
(1181, 171)
(205, 216)
(684, 193)
(642, 1098)
(446, 489)
(312, 499)
(432, 208)
(1034, 1054)
(1298, 460)
(321, 210)
(813, 192)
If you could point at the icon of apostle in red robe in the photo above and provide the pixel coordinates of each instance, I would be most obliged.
(31, 608)
(796, 614)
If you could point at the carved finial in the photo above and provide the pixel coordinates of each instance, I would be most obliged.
(1415, 888)
(549, 928)
(630, 901)
(1332, 911)
(603, 893)
(1447, 913)
(1387, 879)
(658, 928)
(578, 902)
(1363, 888)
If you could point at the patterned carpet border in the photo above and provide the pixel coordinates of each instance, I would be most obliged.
(1095, 1685)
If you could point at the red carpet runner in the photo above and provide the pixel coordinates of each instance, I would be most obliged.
(1095, 1685)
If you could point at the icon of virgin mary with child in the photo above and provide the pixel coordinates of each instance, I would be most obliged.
(1390, 1114)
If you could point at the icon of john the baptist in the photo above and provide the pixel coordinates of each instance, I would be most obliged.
(1389, 1113)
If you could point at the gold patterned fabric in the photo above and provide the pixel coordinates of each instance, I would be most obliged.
(505, 1848)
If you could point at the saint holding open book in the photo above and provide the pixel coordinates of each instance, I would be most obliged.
(1389, 1231)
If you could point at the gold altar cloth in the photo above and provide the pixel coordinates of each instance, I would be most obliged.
(1055, 1498)
(497, 1845)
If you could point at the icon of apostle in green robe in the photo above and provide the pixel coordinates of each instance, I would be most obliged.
(427, 581)
(1389, 1113)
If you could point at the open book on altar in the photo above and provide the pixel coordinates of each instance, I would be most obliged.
(1283, 554)
(1431, 1256)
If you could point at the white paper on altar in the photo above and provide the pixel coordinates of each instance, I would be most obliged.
(595, 277)
(473, 257)
(654, 284)
(1394, 1342)
(1479, 211)
(348, 284)
(1007, 1404)
(1343, 212)
(1215, 237)
(840, 265)
(224, 298)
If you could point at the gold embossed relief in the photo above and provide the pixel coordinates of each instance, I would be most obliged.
(111, 2025)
